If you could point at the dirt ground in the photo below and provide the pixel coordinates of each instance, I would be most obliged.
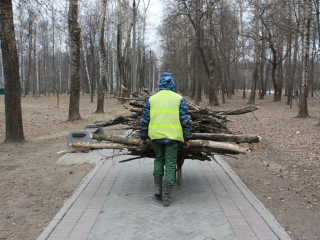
(32, 187)
(282, 170)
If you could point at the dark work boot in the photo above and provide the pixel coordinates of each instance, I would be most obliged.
(166, 195)
(157, 186)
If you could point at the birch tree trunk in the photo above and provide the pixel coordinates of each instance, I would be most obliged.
(36, 76)
(87, 71)
(119, 51)
(29, 63)
(303, 107)
(290, 72)
(12, 92)
(74, 34)
(103, 59)
(44, 87)
(280, 69)
(60, 73)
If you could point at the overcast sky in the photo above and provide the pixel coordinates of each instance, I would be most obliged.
(154, 19)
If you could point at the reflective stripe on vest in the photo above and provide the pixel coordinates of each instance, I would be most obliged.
(165, 116)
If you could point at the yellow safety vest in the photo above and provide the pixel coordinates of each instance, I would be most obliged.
(164, 116)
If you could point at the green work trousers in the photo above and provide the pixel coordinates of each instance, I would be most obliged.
(166, 155)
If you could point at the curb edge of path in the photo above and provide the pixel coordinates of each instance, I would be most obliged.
(68, 204)
(254, 201)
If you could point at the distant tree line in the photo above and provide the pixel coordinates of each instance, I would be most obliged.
(67, 47)
(211, 47)
(219, 47)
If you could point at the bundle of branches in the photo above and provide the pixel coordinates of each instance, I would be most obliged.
(209, 131)
(203, 120)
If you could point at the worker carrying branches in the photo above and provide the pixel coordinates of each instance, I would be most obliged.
(166, 120)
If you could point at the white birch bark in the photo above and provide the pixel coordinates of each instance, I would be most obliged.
(87, 70)
(44, 62)
(60, 73)
(103, 59)
(36, 76)
(115, 66)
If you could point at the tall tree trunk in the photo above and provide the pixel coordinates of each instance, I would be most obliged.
(280, 70)
(243, 52)
(92, 50)
(134, 51)
(213, 98)
(317, 5)
(87, 71)
(262, 67)
(196, 56)
(44, 87)
(143, 37)
(313, 56)
(74, 34)
(119, 51)
(36, 72)
(289, 74)
(303, 107)
(253, 86)
(60, 73)
(257, 55)
(29, 62)
(13, 115)
(20, 56)
(103, 59)
(53, 84)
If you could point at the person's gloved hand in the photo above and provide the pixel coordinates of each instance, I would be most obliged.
(186, 144)
(143, 143)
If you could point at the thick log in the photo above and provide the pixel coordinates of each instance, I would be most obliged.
(196, 146)
(103, 145)
(216, 147)
(116, 139)
(75, 149)
(226, 137)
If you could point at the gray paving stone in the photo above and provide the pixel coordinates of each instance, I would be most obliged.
(209, 205)
(194, 212)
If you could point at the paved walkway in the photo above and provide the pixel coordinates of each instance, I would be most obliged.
(116, 201)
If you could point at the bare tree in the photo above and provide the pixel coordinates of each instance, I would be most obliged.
(13, 115)
(303, 107)
(74, 34)
(103, 59)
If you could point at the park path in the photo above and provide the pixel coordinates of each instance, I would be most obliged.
(115, 201)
